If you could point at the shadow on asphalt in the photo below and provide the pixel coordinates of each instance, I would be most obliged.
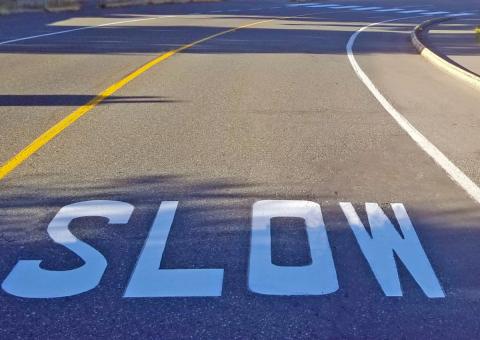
(213, 218)
(75, 100)
(309, 35)
(211, 229)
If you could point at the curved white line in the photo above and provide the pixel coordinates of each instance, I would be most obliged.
(451, 169)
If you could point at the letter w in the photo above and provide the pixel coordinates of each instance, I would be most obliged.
(379, 249)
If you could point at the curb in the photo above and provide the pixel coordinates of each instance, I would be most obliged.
(436, 59)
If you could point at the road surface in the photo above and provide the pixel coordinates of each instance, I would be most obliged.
(286, 176)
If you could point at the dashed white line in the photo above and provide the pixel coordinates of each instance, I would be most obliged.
(428, 11)
(450, 168)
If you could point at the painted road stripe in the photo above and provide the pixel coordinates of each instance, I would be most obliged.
(450, 168)
(84, 28)
(55, 130)
(434, 13)
(301, 5)
(412, 11)
(343, 7)
(322, 6)
(365, 8)
(460, 14)
(389, 10)
(378, 242)
(377, 9)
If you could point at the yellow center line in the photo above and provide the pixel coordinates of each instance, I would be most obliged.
(56, 129)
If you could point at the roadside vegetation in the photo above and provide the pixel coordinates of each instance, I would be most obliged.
(15, 6)
(10, 6)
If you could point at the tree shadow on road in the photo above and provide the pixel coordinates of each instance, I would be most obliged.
(211, 229)
(312, 34)
(75, 100)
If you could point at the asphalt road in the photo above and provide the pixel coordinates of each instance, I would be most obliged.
(273, 111)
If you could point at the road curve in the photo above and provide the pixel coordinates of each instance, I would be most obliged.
(248, 186)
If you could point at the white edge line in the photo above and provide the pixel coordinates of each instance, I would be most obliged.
(451, 169)
(83, 28)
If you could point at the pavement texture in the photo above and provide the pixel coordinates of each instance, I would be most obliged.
(458, 41)
(270, 112)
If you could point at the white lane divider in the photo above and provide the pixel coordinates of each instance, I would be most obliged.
(461, 14)
(83, 28)
(343, 7)
(450, 168)
(435, 13)
(412, 11)
(389, 10)
(366, 8)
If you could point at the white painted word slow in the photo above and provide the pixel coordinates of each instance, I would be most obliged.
(28, 279)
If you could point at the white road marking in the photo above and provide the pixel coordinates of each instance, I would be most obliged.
(412, 11)
(343, 7)
(83, 28)
(322, 6)
(450, 168)
(460, 14)
(366, 8)
(264, 277)
(389, 10)
(149, 280)
(375, 9)
(385, 241)
(435, 13)
(29, 279)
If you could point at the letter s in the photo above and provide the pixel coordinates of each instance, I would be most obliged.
(28, 280)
